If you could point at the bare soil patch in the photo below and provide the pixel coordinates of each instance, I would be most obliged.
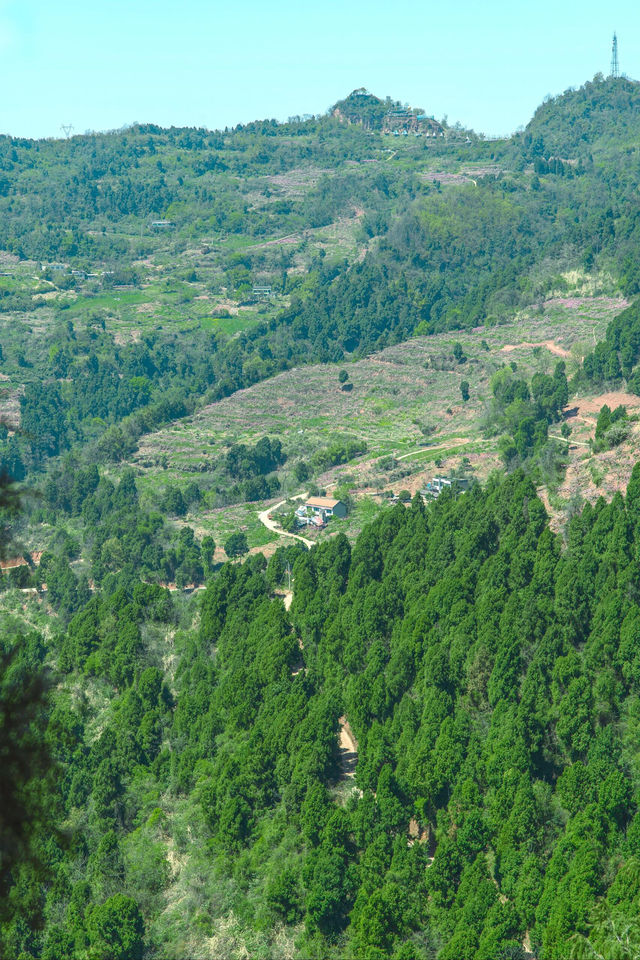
(551, 346)
(348, 749)
(613, 399)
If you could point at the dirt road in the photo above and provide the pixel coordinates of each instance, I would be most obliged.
(454, 442)
(348, 749)
(263, 517)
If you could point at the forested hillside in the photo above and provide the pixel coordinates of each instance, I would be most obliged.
(598, 119)
(426, 258)
(411, 734)
(490, 678)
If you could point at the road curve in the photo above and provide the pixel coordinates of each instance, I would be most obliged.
(263, 517)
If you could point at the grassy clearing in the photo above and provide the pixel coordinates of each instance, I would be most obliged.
(221, 523)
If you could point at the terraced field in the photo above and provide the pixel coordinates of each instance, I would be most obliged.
(405, 404)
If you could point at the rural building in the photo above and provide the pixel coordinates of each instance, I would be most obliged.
(261, 292)
(303, 519)
(435, 487)
(404, 121)
(317, 510)
(326, 507)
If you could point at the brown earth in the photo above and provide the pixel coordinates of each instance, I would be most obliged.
(613, 399)
(348, 749)
(551, 346)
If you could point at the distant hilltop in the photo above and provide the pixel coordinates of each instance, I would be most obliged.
(602, 115)
(387, 116)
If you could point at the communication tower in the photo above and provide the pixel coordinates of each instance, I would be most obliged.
(615, 66)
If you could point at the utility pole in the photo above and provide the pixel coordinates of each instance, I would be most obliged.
(615, 66)
(289, 574)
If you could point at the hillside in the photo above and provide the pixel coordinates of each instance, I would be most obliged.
(274, 245)
(599, 119)
(410, 733)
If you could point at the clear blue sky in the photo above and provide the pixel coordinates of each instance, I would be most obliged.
(99, 64)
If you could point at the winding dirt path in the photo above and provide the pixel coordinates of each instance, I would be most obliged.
(572, 443)
(346, 739)
(454, 442)
(263, 517)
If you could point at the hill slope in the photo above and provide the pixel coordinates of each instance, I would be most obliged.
(602, 117)
(432, 749)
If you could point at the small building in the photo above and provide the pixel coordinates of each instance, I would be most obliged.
(326, 507)
(435, 487)
(305, 519)
(404, 121)
(261, 291)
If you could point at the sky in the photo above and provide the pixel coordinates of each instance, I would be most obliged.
(103, 65)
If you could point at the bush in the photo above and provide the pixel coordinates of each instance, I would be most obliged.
(338, 453)
(236, 545)
(174, 503)
(458, 353)
(302, 471)
(616, 434)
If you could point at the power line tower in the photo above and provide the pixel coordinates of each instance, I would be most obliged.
(615, 66)
(66, 129)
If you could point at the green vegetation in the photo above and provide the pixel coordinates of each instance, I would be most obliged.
(525, 412)
(612, 428)
(362, 107)
(600, 117)
(419, 738)
(236, 545)
(483, 668)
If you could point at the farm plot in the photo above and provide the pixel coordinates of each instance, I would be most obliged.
(405, 403)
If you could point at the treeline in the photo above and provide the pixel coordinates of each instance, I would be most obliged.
(474, 655)
(617, 355)
(598, 117)
(457, 258)
(111, 396)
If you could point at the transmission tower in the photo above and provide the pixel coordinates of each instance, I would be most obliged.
(615, 66)
(66, 129)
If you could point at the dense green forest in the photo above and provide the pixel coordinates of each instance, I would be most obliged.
(418, 742)
(489, 673)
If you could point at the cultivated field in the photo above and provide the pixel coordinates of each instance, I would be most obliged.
(406, 405)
